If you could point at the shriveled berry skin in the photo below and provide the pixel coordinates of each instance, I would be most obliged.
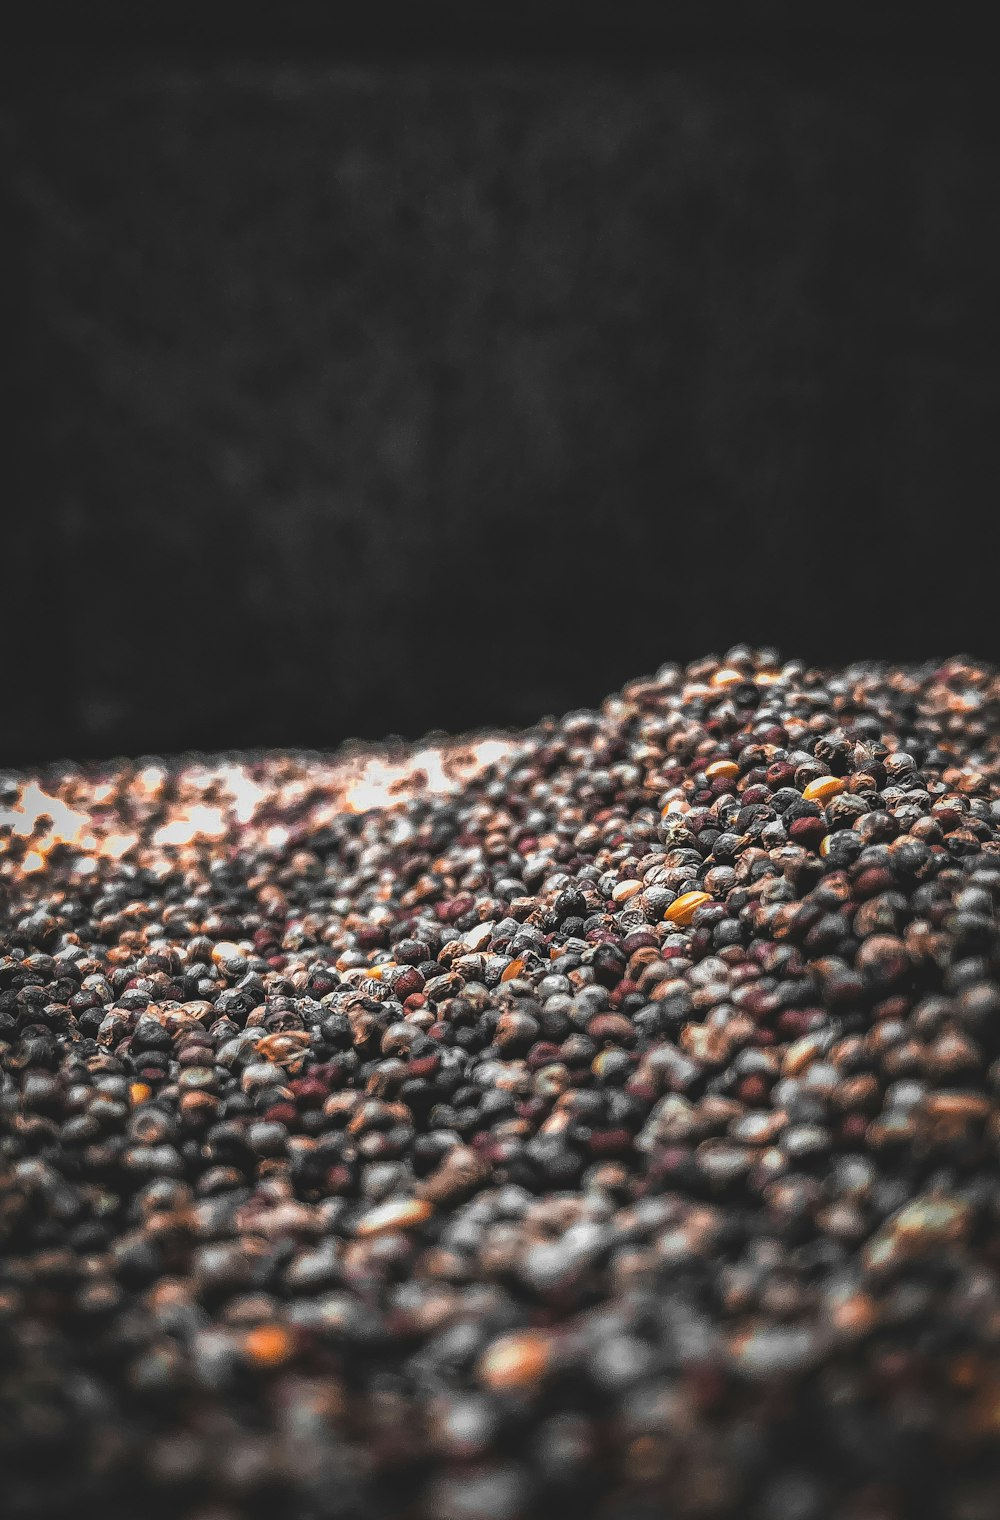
(601, 1120)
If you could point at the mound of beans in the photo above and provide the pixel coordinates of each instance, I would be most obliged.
(612, 1134)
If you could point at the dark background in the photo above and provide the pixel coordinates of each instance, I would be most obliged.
(392, 378)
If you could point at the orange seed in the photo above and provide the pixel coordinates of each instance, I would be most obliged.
(515, 1361)
(724, 768)
(268, 1345)
(823, 788)
(394, 1214)
(683, 909)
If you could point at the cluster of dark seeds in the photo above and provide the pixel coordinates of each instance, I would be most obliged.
(613, 1134)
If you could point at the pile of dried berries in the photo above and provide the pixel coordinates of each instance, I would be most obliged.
(606, 1122)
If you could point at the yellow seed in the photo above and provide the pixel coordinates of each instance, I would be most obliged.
(727, 677)
(140, 1091)
(514, 969)
(515, 1361)
(823, 788)
(800, 1054)
(683, 909)
(225, 950)
(824, 845)
(724, 768)
(394, 1214)
(625, 890)
(676, 808)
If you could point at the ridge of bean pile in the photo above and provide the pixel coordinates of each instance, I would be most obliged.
(615, 1135)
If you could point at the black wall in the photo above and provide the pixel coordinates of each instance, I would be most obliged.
(356, 395)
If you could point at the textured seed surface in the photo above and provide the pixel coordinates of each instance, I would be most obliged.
(602, 1120)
